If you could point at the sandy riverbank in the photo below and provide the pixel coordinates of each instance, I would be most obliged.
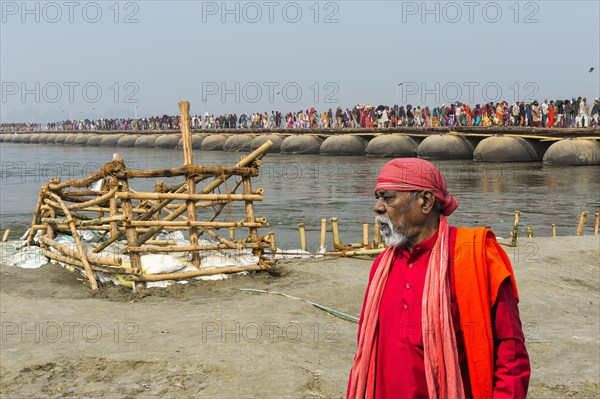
(208, 339)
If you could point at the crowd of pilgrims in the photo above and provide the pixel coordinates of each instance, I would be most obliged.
(574, 113)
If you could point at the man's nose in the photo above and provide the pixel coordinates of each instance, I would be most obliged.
(378, 207)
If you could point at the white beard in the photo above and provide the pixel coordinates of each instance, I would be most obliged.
(392, 236)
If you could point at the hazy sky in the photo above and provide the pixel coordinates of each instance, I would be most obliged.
(81, 59)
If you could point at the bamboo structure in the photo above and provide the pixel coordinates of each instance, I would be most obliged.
(596, 223)
(5, 236)
(553, 230)
(118, 213)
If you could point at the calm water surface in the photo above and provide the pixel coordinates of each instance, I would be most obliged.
(305, 188)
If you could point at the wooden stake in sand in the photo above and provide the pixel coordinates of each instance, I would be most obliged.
(365, 242)
(323, 233)
(302, 229)
(336, 234)
(515, 231)
(5, 236)
(596, 223)
(376, 237)
(553, 230)
(582, 218)
(529, 231)
(272, 242)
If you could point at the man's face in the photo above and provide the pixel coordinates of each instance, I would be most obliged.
(398, 217)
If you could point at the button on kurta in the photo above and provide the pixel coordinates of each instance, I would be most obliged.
(410, 265)
(405, 307)
(407, 285)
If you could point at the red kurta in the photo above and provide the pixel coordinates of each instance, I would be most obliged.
(400, 370)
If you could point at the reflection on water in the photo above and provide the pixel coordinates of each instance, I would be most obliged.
(305, 188)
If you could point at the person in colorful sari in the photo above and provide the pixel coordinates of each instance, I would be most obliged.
(551, 111)
(440, 317)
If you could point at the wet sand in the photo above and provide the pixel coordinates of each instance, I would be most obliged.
(211, 340)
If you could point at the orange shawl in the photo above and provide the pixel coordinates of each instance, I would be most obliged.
(480, 266)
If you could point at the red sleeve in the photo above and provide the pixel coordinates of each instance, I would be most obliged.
(511, 361)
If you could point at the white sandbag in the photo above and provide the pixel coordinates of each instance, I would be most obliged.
(160, 264)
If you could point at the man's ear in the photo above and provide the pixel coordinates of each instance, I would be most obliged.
(428, 202)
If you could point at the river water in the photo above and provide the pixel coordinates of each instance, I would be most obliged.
(305, 188)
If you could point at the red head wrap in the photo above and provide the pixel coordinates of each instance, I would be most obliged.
(414, 174)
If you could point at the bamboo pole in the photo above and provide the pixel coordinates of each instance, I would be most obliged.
(186, 133)
(553, 230)
(50, 230)
(217, 225)
(5, 236)
(36, 213)
(336, 234)
(365, 242)
(252, 231)
(189, 169)
(206, 204)
(109, 168)
(356, 253)
(190, 197)
(596, 223)
(75, 234)
(92, 258)
(515, 231)
(196, 273)
(91, 222)
(253, 156)
(190, 248)
(232, 233)
(302, 236)
(99, 200)
(113, 208)
(161, 242)
(122, 230)
(376, 237)
(529, 231)
(80, 193)
(323, 233)
(582, 218)
(72, 261)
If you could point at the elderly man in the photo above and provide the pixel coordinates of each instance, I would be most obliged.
(440, 316)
